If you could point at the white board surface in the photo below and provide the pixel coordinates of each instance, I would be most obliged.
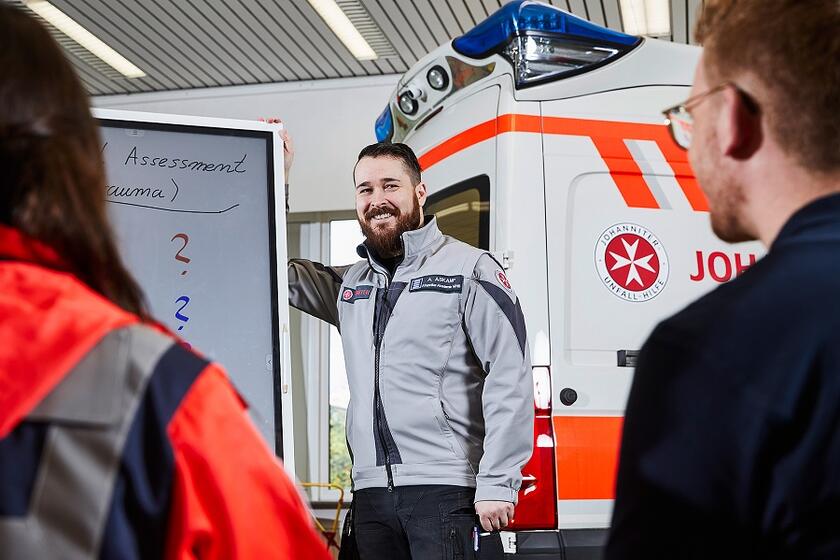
(192, 202)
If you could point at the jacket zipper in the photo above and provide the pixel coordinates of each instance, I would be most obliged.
(380, 409)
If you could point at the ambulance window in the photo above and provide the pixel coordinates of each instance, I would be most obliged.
(463, 211)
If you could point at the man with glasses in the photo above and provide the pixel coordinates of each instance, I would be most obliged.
(731, 444)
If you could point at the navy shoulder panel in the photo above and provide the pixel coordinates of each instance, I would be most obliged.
(139, 513)
(513, 311)
(20, 455)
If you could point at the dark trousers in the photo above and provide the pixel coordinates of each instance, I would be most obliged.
(421, 523)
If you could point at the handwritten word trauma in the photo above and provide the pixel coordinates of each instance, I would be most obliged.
(134, 158)
(115, 191)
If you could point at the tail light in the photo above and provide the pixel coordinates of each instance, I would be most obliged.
(537, 507)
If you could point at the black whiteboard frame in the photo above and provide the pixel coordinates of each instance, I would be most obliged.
(270, 137)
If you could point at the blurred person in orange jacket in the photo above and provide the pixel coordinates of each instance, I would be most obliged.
(115, 440)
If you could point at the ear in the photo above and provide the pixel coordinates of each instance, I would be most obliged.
(420, 193)
(739, 132)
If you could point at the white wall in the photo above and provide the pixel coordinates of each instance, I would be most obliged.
(330, 122)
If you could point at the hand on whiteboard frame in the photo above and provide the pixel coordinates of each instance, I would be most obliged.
(288, 146)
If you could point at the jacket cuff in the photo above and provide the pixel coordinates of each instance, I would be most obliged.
(496, 493)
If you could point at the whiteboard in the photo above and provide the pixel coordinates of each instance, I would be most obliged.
(192, 201)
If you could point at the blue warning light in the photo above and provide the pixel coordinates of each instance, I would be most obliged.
(521, 16)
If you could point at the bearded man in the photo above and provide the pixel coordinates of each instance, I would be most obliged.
(440, 420)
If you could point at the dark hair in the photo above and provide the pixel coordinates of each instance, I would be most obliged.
(396, 151)
(53, 188)
(792, 48)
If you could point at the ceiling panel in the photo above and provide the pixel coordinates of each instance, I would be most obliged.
(186, 44)
(420, 25)
(595, 12)
(612, 14)
(390, 16)
(339, 61)
(462, 13)
(477, 10)
(296, 42)
(578, 7)
(432, 20)
(287, 54)
(491, 6)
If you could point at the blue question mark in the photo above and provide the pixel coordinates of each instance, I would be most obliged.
(178, 314)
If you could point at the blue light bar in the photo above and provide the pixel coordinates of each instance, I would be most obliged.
(384, 125)
(526, 15)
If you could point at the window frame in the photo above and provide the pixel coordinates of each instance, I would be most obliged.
(315, 245)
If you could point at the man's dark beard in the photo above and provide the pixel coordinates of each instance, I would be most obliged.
(387, 243)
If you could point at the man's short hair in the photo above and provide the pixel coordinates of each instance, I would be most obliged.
(792, 47)
(396, 151)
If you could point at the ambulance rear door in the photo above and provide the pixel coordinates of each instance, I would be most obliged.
(482, 163)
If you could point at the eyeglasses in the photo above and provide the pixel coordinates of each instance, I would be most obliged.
(679, 119)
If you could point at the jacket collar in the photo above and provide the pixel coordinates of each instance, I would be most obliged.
(49, 320)
(415, 242)
(820, 218)
(15, 246)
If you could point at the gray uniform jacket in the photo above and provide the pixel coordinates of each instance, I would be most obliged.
(437, 362)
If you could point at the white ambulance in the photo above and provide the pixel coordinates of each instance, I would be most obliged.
(542, 139)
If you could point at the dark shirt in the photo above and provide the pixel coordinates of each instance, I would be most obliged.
(391, 264)
(731, 445)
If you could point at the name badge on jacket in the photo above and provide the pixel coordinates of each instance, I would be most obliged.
(437, 283)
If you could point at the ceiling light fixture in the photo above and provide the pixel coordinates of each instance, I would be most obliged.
(344, 29)
(85, 38)
(646, 17)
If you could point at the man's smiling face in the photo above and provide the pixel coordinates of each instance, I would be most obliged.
(387, 203)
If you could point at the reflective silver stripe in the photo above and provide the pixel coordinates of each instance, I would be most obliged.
(90, 413)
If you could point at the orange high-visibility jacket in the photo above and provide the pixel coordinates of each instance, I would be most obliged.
(118, 442)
